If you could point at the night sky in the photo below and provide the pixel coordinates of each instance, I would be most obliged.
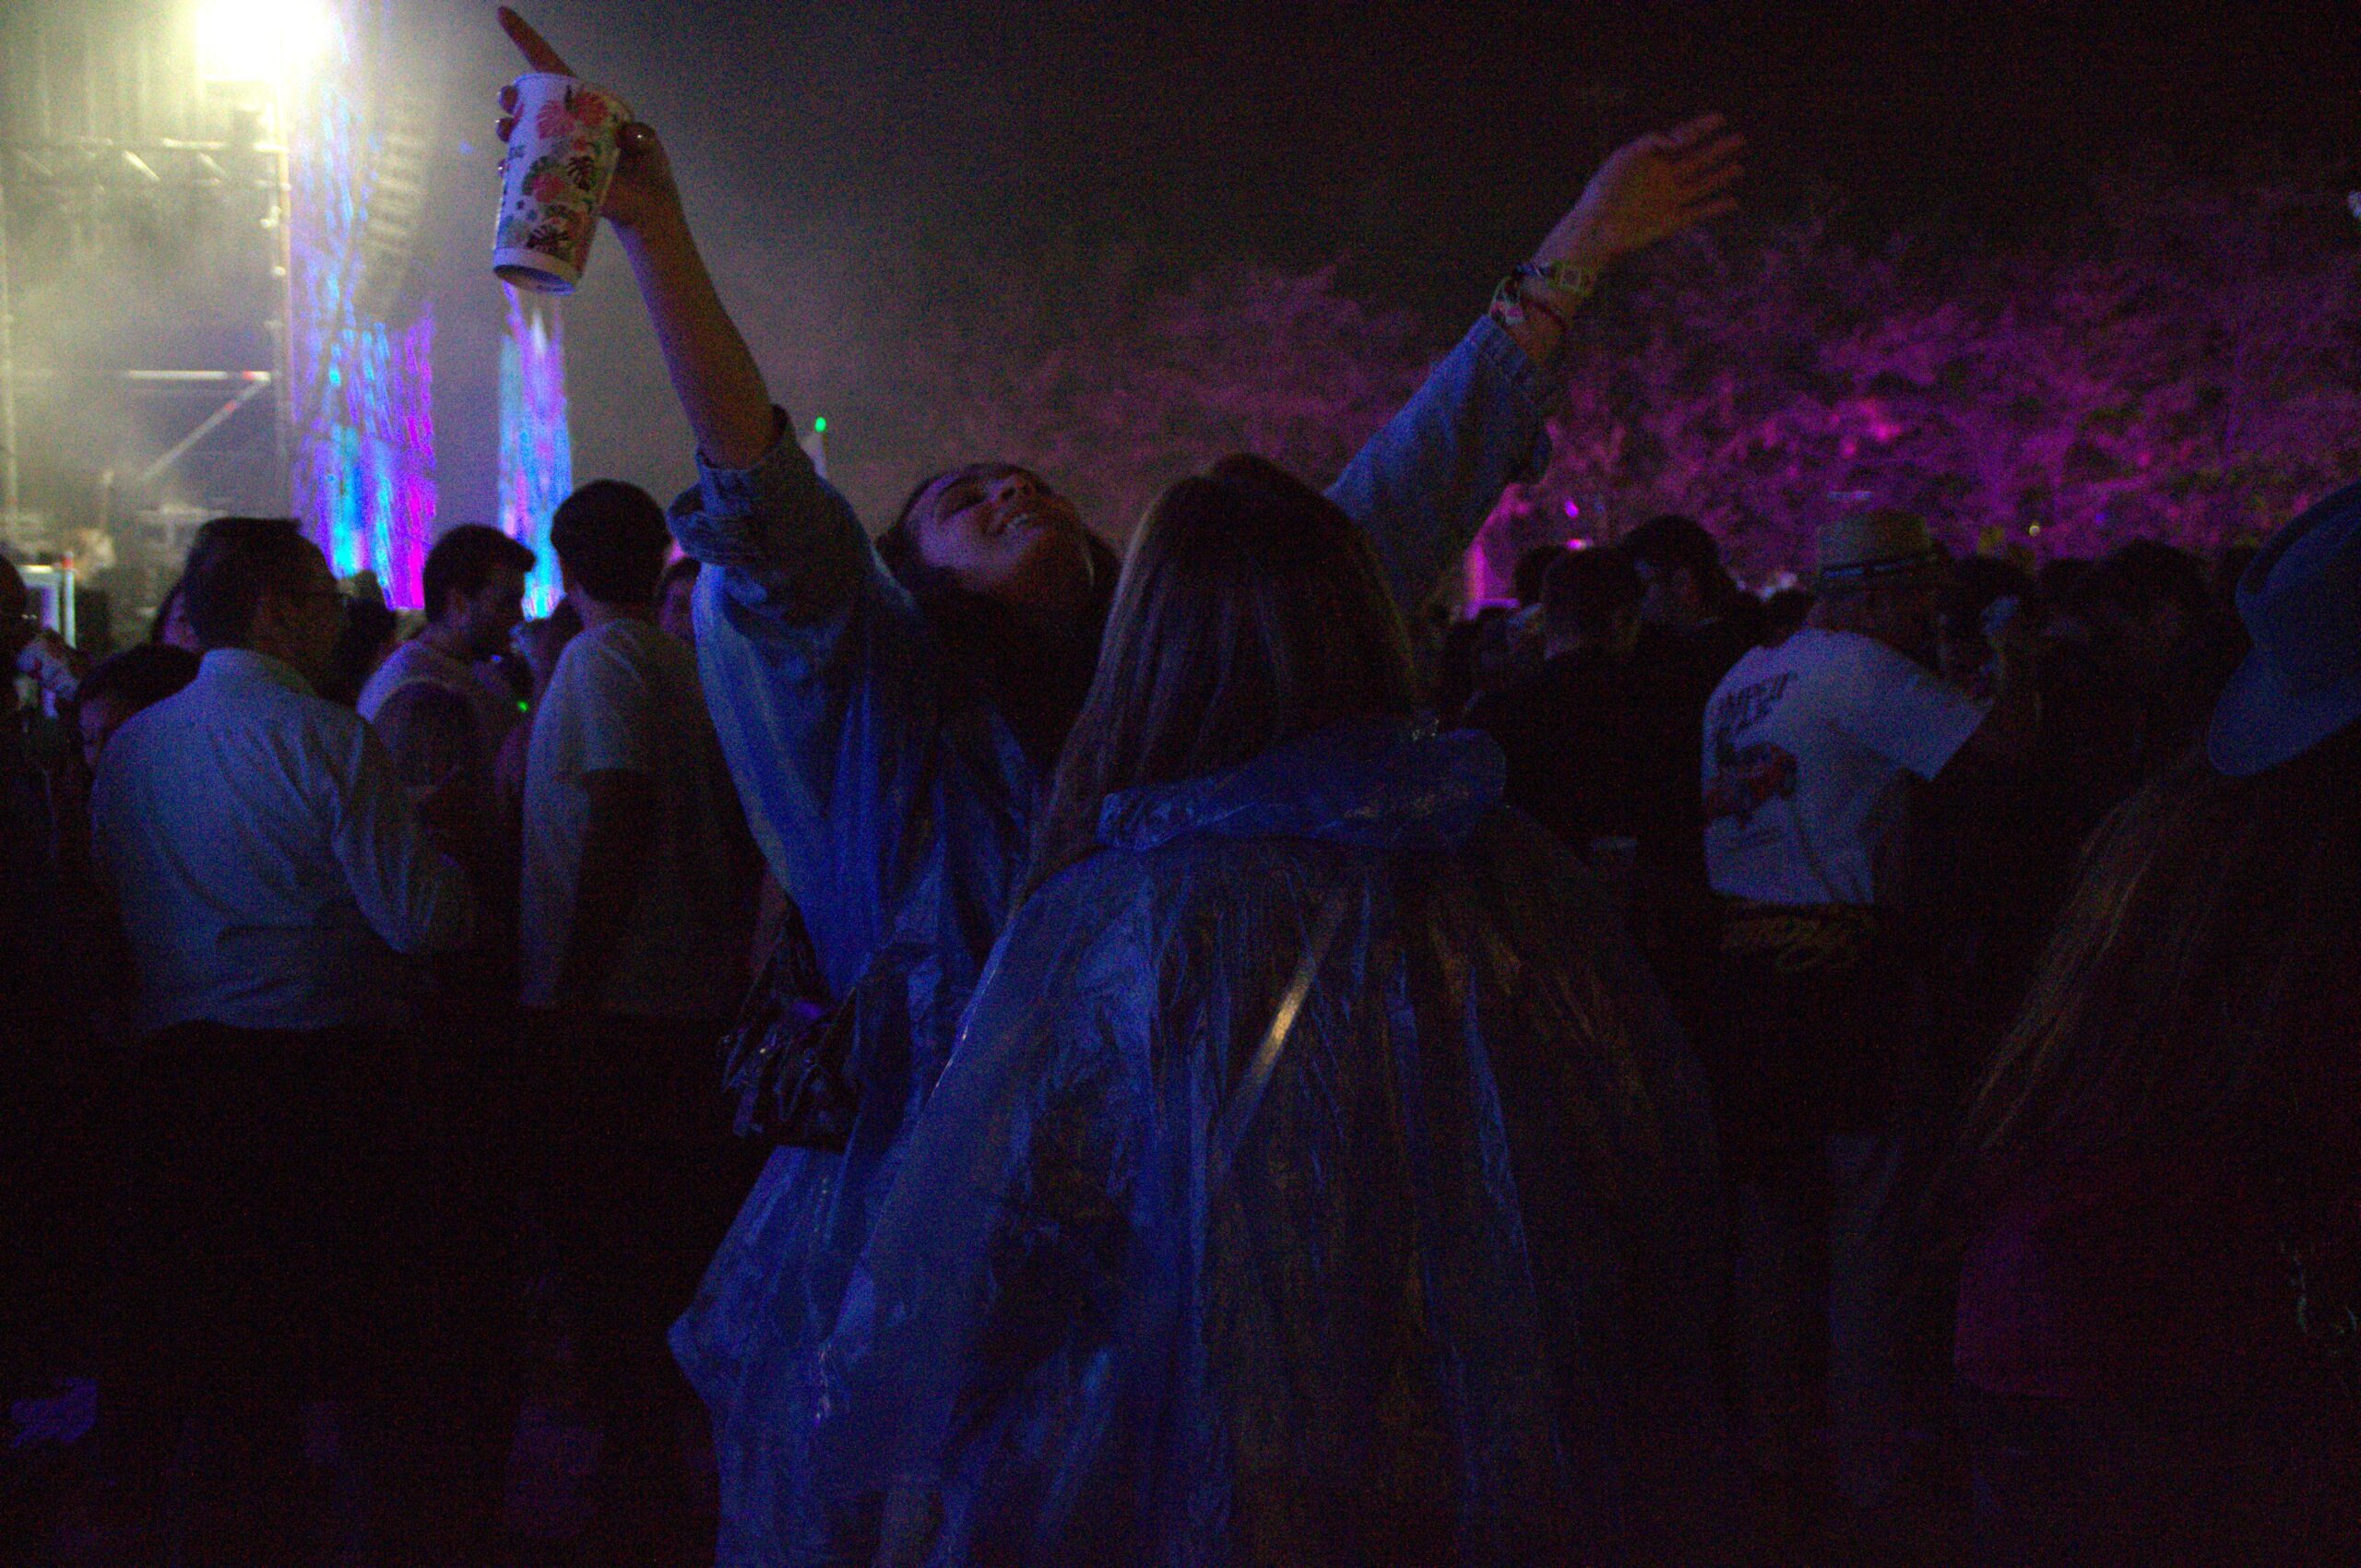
(828, 151)
(843, 161)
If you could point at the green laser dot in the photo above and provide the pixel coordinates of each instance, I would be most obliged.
(820, 426)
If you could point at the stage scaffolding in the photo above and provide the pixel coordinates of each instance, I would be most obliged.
(109, 139)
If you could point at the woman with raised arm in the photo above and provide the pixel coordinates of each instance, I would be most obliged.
(891, 711)
(1320, 1177)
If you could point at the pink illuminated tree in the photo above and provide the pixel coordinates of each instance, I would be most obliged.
(1114, 390)
(2194, 376)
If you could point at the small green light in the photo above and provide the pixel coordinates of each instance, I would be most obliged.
(524, 706)
(820, 426)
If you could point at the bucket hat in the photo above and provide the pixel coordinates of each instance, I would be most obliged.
(2301, 604)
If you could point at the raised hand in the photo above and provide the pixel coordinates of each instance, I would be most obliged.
(1648, 190)
(643, 191)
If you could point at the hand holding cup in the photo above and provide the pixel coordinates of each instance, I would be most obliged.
(574, 151)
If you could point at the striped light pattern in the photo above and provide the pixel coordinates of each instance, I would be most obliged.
(535, 450)
(363, 480)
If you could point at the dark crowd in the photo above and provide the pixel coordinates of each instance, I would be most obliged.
(960, 1046)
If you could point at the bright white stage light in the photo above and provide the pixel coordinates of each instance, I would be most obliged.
(259, 41)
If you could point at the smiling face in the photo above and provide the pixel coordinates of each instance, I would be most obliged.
(999, 531)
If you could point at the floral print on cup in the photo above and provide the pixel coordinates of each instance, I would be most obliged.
(554, 178)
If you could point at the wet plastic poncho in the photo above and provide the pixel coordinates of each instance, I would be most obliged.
(896, 810)
(1448, 1301)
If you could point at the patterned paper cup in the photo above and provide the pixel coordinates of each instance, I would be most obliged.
(554, 180)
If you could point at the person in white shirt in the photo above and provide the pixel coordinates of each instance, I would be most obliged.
(440, 681)
(267, 868)
(267, 864)
(1808, 748)
(639, 884)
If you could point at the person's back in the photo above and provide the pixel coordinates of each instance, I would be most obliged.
(267, 866)
(625, 698)
(1806, 745)
(1363, 1192)
(243, 901)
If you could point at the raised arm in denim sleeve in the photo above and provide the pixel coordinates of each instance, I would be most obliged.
(824, 689)
(1425, 482)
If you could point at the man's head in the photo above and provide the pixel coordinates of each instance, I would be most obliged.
(1590, 598)
(996, 530)
(124, 683)
(611, 543)
(257, 583)
(1532, 570)
(676, 595)
(1882, 575)
(1681, 571)
(474, 580)
(2145, 601)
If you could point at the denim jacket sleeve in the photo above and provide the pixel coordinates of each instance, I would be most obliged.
(1426, 481)
(824, 688)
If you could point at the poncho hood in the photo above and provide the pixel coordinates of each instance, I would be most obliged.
(1379, 784)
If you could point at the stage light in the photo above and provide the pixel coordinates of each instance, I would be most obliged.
(243, 42)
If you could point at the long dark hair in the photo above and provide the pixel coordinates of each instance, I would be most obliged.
(2203, 985)
(1035, 676)
(1252, 611)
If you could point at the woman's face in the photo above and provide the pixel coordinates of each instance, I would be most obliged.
(1002, 533)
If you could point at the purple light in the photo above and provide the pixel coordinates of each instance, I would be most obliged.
(363, 479)
(536, 444)
(1574, 509)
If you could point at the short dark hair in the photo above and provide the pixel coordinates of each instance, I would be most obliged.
(1671, 540)
(610, 537)
(1584, 589)
(463, 560)
(2150, 569)
(140, 675)
(233, 563)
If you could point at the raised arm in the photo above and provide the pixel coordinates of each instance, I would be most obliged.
(1424, 483)
(814, 661)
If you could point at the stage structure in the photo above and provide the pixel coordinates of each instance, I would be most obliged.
(217, 222)
(132, 188)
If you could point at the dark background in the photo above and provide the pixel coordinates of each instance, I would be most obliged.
(829, 152)
(853, 167)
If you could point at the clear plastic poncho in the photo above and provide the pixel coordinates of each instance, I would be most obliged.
(1446, 1297)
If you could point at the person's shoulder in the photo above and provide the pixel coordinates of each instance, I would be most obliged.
(1754, 664)
(331, 725)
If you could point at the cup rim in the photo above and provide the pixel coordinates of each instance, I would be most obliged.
(607, 94)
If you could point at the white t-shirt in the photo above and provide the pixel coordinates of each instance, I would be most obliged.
(416, 662)
(1804, 748)
(624, 697)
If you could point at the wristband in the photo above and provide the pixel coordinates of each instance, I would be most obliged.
(1512, 298)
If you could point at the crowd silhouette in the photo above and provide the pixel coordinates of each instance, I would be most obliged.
(967, 1046)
